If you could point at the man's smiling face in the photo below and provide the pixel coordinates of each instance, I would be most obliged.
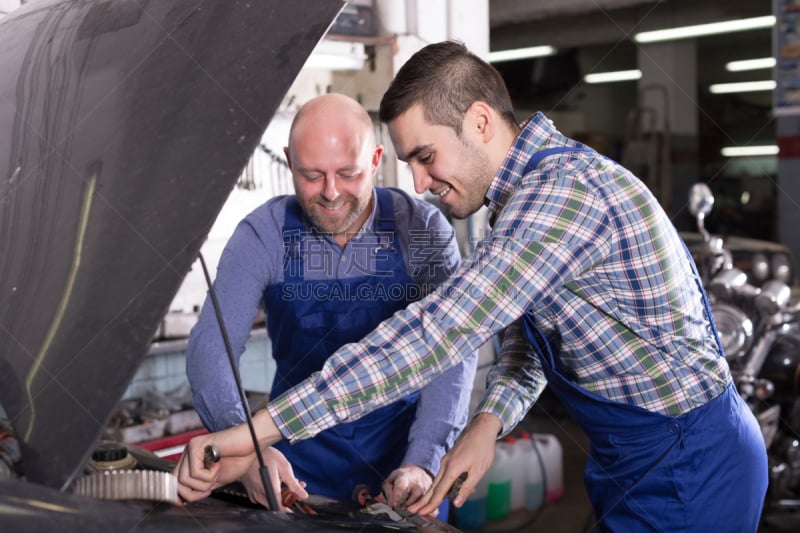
(454, 168)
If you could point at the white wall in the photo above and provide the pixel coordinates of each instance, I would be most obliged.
(6, 6)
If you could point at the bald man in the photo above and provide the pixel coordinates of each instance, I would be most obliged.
(328, 265)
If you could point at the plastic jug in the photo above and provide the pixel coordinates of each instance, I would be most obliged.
(472, 514)
(552, 456)
(534, 472)
(498, 501)
(516, 447)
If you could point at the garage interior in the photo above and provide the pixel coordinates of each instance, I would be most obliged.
(666, 121)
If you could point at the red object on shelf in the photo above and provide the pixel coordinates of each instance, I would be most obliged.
(171, 441)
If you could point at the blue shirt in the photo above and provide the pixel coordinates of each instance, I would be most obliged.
(253, 259)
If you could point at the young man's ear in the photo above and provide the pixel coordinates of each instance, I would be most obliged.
(480, 120)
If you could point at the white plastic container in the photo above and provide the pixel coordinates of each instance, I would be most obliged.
(518, 458)
(553, 458)
(498, 500)
(534, 471)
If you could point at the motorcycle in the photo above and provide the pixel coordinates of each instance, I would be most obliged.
(760, 334)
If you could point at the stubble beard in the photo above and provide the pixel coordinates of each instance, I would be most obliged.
(336, 226)
(477, 174)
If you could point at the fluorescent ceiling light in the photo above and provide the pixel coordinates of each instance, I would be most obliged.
(749, 151)
(617, 75)
(750, 64)
(713, 28)
(521, 53)
(742, 87)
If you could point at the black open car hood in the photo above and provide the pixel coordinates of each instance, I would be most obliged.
(125, 125)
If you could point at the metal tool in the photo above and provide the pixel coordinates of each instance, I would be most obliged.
(456, 488)
(211, 456)
(289, 499)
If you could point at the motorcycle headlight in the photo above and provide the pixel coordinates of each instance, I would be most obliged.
(735, 330)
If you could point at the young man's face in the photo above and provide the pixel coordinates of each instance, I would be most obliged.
(456, 169)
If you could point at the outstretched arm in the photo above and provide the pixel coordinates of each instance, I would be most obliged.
(196, 480)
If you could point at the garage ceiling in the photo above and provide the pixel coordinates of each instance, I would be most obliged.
(511, 11)
(605, 29)
(565, 23)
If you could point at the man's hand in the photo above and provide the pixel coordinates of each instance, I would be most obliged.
(280, 471)
(406, 485)
(196, 480)
(472, 454)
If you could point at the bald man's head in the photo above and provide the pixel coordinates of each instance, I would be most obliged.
(328, 110)
(334, 158)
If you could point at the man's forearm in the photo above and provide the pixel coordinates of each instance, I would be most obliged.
(267, 432)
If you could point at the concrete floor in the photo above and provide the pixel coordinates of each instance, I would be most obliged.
(573, 513)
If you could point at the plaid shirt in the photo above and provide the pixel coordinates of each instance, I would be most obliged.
(583, 245)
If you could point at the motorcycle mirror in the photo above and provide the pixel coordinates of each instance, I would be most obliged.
(701, 200)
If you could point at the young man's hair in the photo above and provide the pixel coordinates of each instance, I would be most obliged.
(446, 78)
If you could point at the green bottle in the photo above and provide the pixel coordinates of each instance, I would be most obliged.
(498, 500)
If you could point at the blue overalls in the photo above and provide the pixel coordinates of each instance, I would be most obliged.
(306, 330)
(705, 470)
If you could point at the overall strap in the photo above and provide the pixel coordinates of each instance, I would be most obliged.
(386, 209)
(385, 224)
(536, 158)
(293, 229)
(389, 255)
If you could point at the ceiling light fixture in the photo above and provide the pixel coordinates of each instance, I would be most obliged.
(750, 64)
(613, 76)
(521, 53)
(750, 151)
(742, 87)
(713, 28)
